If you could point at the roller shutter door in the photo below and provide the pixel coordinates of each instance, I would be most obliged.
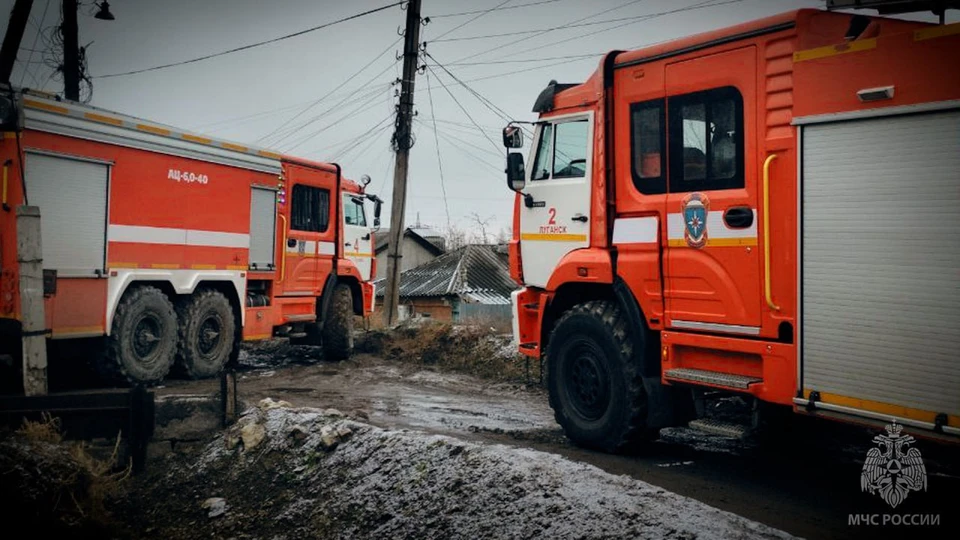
(881, 260)
(72, 196)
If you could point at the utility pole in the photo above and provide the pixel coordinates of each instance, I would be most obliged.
(11, 41)
(402, 142)
(71, 51)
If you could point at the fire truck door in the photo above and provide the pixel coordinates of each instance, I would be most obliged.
(712, 260)
(357, 243)
(309, 248)
(557, 219)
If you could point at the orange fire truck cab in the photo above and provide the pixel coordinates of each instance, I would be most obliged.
(769, 209)
(177, 246)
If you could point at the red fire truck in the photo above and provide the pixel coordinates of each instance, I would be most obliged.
(177, 246)
(769, 209)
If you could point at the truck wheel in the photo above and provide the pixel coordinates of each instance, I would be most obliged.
(207, 334)
(596, 391)
(143, 338)
(338, 327)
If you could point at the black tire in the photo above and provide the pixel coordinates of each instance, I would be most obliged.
(142, 344)
(338, 326)
(207, 336)
(594, 383)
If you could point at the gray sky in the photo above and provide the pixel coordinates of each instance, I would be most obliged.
(247, 95)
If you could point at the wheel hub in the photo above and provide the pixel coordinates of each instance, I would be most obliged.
(211, 331)
(587, 383)
(147, 335)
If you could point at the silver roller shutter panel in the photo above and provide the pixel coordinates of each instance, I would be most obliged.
(263, 222)
(881, 260)
(72, 196)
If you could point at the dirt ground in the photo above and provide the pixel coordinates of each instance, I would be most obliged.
(416, 411)
(805, 482)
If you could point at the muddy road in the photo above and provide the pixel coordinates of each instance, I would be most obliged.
(806, 481)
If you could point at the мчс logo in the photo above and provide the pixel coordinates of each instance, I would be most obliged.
(893, 468)
(694, 209)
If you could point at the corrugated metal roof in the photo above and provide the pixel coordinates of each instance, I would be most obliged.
(476, 273)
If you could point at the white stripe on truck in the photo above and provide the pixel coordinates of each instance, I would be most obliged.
(182, 237)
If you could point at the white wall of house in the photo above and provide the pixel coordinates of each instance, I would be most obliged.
(413, 253)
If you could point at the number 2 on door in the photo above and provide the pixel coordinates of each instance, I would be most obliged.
(553, 216)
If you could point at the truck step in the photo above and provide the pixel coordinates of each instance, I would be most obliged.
(719, 427)
(715, 378)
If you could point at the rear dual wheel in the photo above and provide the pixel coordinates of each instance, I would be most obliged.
(149, 335)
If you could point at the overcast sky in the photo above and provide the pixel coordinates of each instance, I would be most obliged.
(248, 95)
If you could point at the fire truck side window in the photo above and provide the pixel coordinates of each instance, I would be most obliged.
(353, 212)
(648, 141)
(706, 141)
(311, 209)
(571, 149)
(541, 169)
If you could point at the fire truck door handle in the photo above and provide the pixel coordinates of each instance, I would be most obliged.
(347, 244)
(579, 217)
(738, 217)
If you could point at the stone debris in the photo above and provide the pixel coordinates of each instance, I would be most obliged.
(216, 506)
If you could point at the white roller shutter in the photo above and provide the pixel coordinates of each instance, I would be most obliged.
(881, 260)
(72, 196)
(263, 222)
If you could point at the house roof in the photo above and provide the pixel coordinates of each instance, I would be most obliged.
(383, 238)
(475, 273)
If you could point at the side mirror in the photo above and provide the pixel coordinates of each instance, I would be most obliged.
(516, 175)
(377, 204)
(512, 137)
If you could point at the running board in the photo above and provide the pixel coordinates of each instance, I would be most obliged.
(719, 427)
(716, 378)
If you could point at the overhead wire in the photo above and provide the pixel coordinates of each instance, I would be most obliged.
(442, 15)
(634, 20)
(361, 108)
(252, 45)
(545, 31)
(436, 139)
(462, 108)
(342, 146)
(34, 46)
(481, 14)
(325, 96)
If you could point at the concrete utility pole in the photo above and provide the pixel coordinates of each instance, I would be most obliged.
(30, 259)
(402, 142)
(71, 51)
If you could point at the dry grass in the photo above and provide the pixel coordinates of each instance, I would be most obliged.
(58, 485)
(475, 349)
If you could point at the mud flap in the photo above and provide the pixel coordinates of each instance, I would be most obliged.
(666, 405)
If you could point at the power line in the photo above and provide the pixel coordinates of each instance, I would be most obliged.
(252, 45)
(482, 13)
(363, 107)
(478, 148)
(436, 139)
(530, 60)
(462, 108)
(367, 97)
(460, 144)
(205, 128)
(325, 96)
(344, 145)
(34, 46)
(634, 20)
(442, 15)
(621, 6)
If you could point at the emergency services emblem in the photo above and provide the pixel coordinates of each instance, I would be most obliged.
(894, 468)
(695, 208)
